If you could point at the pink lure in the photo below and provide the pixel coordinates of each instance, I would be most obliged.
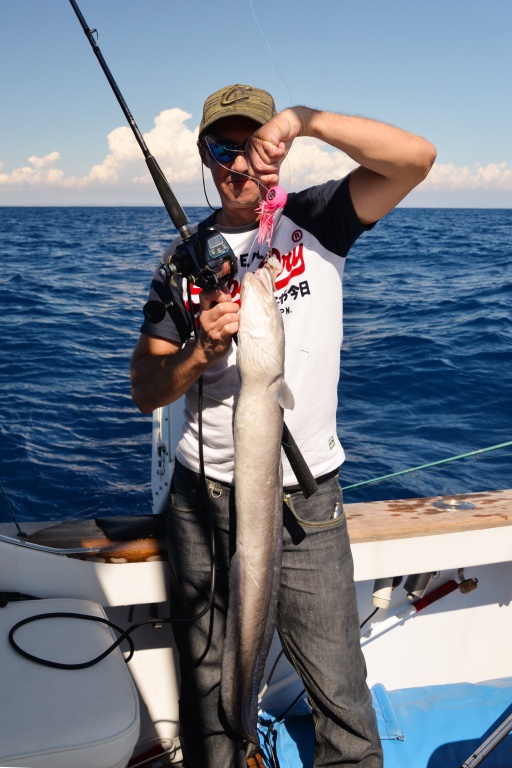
(275, 199)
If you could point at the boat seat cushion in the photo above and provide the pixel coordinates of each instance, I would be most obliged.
(59, 718)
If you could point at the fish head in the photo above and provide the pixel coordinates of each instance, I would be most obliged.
(261, 332)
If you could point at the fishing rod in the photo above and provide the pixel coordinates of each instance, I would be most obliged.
(170, 202)
(205, 258)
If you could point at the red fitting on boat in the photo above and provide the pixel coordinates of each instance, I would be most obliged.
(436, 595)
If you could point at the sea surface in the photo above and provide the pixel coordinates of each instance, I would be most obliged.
(426, 366)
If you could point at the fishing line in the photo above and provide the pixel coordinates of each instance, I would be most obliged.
(292, 101)
(305, 353)
(202, 472)
(11, 512)
(230, 170)
(377, 335)
(208, 143)
(248, 265)
(426, 466)
(204, 189)
(276, 720)
(270, 51)
(270, 675)
(278, 213)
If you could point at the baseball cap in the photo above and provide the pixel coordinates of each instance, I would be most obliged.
(237, 100)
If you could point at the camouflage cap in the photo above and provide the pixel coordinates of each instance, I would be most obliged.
(240, 101)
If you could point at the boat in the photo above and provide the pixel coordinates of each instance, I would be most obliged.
(434, 586)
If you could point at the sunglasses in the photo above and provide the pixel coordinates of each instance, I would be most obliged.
(224, 152)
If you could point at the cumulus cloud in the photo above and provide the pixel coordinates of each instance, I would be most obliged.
(173, 144)
(310, 162)
(39, 172)
(170, 141)
(476, 176)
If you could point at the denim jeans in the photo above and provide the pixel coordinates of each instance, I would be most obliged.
(317, 621)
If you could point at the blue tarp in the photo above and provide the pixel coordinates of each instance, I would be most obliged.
(438, 726)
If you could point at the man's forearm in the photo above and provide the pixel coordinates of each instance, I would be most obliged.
(158, 380)
(381, 148)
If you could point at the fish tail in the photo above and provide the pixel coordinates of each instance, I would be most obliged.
(251, 750)
(239, 702)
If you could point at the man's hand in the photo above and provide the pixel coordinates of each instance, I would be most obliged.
(269, 145)
(218, 323)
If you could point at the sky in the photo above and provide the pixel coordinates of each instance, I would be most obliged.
(440, 69)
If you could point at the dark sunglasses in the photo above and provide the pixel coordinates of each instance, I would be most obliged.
(224, 152)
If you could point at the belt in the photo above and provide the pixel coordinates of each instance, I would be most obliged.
(286, 489)
(319, 481)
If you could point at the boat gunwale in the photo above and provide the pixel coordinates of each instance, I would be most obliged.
(368, 522)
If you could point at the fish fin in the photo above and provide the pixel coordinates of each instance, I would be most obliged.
(285, 396)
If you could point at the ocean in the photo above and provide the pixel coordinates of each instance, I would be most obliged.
(426, 365)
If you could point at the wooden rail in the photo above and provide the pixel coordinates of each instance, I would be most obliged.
(410, 518)
(367, 522)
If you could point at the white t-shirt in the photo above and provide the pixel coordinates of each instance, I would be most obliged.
(314, 234)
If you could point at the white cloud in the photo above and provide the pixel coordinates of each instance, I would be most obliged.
(173, 144)
(310, 162)
(170, 141)
(38, 173)
(44, 162)
(476, 176)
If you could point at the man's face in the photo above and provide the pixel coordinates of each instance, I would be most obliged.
(236, 190)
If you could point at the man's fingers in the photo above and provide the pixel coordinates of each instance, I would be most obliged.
(216, 318)
(208, 299)
(217, 327)
(263, 155)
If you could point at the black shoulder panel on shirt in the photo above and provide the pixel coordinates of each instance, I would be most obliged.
(176, 324)
(328, 213)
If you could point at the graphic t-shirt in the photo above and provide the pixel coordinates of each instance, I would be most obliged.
(312, 237)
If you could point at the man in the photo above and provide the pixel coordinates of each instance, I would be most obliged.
(243, 140)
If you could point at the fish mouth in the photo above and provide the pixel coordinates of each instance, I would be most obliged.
(267, 274)
(266, 277)
(260, 281)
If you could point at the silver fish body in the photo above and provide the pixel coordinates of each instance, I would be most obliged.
(256, 564)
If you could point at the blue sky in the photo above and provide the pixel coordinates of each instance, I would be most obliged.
(441, 69)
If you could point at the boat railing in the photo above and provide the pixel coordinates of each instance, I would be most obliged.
(52, 550)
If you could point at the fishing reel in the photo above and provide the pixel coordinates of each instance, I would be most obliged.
(204, 259)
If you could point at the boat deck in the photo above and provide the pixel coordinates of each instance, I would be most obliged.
(368, 522)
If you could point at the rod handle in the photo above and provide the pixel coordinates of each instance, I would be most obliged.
(302, 472)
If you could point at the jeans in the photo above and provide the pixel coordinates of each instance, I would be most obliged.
(317, 622)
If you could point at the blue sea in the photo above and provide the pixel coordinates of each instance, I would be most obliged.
(426, 366)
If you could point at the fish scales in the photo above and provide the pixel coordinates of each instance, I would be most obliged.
(256, 564)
